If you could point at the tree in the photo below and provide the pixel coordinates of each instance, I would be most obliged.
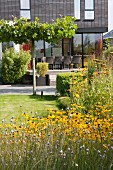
(20, 30)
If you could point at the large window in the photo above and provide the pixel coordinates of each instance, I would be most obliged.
(39, 50)
(77, 44)
(89, 9)
(87, 45)
(53, 49)
(77, 9)
(25, 9)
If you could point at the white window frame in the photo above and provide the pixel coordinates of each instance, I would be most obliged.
(24, 4)
(77, 9)
(89, 9)
(89, 4)
(25, 11)
(25, 14)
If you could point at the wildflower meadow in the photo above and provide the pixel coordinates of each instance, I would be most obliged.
(77, 138)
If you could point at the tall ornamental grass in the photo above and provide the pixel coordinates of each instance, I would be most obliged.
(95, 91)
(77, 138)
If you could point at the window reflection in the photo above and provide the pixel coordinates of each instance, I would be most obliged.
(47, 49)
(92, 46)
(57, 49)
(89, 44)
(53, 49)
(77, 44)
(39, 50)
(67, 46)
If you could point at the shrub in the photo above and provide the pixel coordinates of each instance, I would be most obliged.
(106, 44)
(42, 68)
(108, 56)
(64, 102)
(14, 65)
(63, 81)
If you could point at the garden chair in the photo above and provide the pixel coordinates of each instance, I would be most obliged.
(50, 61)
(58, 62)
(76, 61)
(67, 62)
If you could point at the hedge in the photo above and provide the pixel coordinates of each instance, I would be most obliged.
(63, 82)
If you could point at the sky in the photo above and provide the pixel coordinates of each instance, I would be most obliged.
(110, 15)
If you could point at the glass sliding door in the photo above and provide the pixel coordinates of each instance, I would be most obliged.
(67, 46)
(57, 49)
(77, 44)
(53, 49)
(77, 48)
(48, 49)
(89, 46)
(92, 46)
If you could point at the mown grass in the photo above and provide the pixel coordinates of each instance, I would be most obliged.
(15, 105)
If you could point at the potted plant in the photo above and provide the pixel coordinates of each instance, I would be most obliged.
(42, 69)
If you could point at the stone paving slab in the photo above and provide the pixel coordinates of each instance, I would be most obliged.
(26, 89)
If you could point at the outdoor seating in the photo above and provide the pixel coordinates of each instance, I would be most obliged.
(76, 60)
(58, 63)
(50, 61)
(66, 61)
(43, 59)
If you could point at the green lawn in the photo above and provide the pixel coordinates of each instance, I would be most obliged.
(15, 105)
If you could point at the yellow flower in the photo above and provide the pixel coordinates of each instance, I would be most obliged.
(77, 95)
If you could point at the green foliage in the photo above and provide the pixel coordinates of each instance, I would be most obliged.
(5, 31)
(95, 92)
(21, 30)
(14, 65)
(64, 102)
(63, 82)
(91, 68)
(106, 44)
(107, 52)
(42, 68)
(108, 56)
(64, 27)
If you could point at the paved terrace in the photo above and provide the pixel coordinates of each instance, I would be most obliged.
(53, 73)
(28, 89)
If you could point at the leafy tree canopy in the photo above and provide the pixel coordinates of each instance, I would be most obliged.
(21, 30)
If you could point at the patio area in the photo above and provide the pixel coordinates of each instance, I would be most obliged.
(52, 74)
